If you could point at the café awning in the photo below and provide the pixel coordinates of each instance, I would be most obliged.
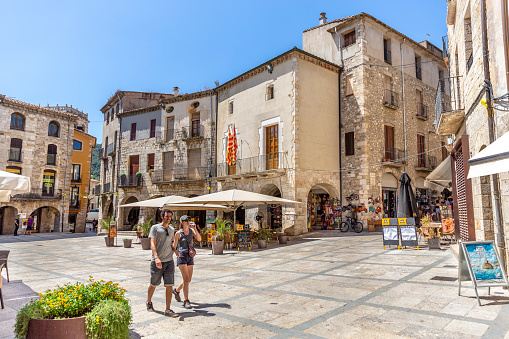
(441, 176)
(491, 160)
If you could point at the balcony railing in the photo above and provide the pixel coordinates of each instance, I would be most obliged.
(393, 155)
(76, 179)
(39, 194)
(191, 132)
(167, 135)
(96, 190)
(179, 174)
(15, 154)
(391, 98)
(422, 111)
(107, 187)
(111, 149)
(74, 205)
(252, 165)
(449, 106)
(51, 159)
(130, 181)
(426, 161)
(387, 57)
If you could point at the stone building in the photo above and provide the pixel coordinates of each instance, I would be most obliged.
(376, 109)
(37, 143)
(462, 117)
(165, 149)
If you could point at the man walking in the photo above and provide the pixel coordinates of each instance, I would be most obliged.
(16, 224)
(162, 266)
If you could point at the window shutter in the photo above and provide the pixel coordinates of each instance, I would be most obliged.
(153, 128)
(349, 143)
(133, 131)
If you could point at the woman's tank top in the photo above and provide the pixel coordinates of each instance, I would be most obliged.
(182, 245)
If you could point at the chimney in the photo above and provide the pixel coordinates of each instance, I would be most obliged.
(175, 91)
(322, 19)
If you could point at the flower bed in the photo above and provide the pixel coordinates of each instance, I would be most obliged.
(104, 305)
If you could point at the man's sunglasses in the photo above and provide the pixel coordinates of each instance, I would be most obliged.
(167, 234)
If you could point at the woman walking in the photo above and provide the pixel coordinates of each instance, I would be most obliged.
(183, 238)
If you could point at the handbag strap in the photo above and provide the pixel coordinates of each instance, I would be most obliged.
(182, 231)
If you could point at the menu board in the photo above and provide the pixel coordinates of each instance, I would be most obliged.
(244, 237)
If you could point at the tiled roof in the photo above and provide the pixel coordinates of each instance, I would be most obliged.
(36, 108)
(337, 21)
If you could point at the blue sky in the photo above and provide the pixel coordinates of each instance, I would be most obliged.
(81, 52)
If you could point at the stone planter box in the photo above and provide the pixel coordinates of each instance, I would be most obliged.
(57, 328)
(145, 243)
(217, 247)
(433, 244)
(127, 243)
(283, 239)
(109, 241)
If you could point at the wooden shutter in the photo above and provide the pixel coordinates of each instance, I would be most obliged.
(420, 150)
(389, 142)
(462, 191)
(194, 163)
(133, 131)
(170, 127)
(349, 143)
(153, 128)
(272, 147)
(150, 161)
(168, 166)
(134, 165)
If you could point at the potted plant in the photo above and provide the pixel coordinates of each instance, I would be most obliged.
(281, 236)
(222, 230)
(122, 179)
(138, 178)
(145, 230)
(127, 243)
(263, 235)
(97, 309)
(105, 223)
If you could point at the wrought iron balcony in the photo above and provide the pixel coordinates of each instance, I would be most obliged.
(177, 174)
(111, 149)
(426, 162)
(130, 181)
(96, 190)
(422, 111)
(166, 135)
(51, 159)
(393, 156)
(39, 194)
(75, 205)
(107, 188)
(254, 165)
(391, 98)
(192, 132)
(449, 106)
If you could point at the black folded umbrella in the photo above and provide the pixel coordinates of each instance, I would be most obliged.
(407, 206)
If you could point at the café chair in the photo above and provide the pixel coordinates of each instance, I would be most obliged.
(1, 296)
(3, 260)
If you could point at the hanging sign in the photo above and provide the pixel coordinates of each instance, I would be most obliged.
(480, 263)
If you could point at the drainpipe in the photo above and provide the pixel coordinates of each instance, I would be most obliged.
(340, 123)
(65, 174)
(505, 26)
(119, 154)
(403, 98)
(491, 134)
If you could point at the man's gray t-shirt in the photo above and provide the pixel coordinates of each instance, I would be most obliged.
(163, 242)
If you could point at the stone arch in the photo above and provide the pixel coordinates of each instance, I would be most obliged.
(389, 180)
(128, 216)
(46, 219)
(7, 216)
(271, 189)
(316, 192)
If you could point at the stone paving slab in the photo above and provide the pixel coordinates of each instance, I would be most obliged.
(321, 285)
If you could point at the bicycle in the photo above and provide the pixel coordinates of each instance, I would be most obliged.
(352, 224)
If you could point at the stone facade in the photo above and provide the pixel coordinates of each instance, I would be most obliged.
(45, 170)
(465, 47)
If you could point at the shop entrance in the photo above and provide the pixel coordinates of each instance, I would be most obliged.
(131, 215)
(274, 212)
(46, 219)
(72, 222)
(389, 195)
(324, 210)
(7, 216)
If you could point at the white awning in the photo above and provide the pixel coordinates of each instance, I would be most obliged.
(441, 177)
(491, 160)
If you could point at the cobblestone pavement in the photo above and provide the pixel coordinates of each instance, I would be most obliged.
(325, 284)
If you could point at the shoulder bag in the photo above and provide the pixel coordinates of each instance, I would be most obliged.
(191, 251)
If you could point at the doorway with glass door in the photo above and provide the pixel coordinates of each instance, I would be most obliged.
(271, 147)
(134, 167)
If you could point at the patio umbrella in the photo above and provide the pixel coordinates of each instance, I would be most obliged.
(168, 202)
(407, 206)
(234, 199)
(11, 183)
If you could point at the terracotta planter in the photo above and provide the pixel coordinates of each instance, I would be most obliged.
(145, 243)
(217, 247)
(262, 243)
(283, 239)
(57, 328)
(127, 243)
(109, 241)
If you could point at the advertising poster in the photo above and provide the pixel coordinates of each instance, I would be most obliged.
(390, 233)
(484, 262)
(113, 229)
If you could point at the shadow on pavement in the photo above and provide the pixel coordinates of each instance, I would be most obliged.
(200, 306)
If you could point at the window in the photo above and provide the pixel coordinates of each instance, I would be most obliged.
(77, 145)
(421, 156)
(349, 39)
(52, 155)
(390, 152)
(271, 147)
(15, 150)
(150, 161)
(230, 107)
(133, 131)
(418, 103)
(170, 125)
(13, 169)
(145, 96)
(349, 143)
(53, 129)
(107, 117)
(75, 197)
(118, 108)
(195, 125)
(17, 122)
(153, 128)
(269, 94)
(349, 85)
(387, 51)
(48, 183)
(418, 73)
(76, 173)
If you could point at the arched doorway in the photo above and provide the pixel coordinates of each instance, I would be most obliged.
(389, 195)
(46, 219)
(324, 208)
(131, 215)
(7, 216)
(273, 213)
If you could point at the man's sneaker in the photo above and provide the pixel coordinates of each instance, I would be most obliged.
(150, 307)
(170, 313)
(187, 304)
(177, 295)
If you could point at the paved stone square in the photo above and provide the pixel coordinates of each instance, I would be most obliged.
(324, 284)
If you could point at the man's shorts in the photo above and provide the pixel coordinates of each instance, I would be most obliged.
(185, 259)
(167, 272)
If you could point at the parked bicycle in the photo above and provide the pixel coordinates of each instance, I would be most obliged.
(352, 224)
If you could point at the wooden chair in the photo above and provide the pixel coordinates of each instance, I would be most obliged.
(3, 260)
(1, 296)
